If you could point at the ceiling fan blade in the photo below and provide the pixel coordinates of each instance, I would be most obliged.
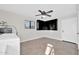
(49, 11)
(38, 15)
(48, 15)
(40, 11)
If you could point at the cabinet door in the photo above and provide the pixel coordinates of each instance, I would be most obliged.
(69, 30)
(13, 47)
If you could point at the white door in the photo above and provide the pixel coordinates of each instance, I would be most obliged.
(69, 30)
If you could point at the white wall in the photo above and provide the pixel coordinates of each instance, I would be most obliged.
(78, 24)
(27, 34)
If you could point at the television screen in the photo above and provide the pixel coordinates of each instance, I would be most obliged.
(47, 25)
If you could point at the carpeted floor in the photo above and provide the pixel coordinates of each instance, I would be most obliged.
(38, 46)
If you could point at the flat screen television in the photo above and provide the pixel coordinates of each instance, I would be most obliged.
(47, 25)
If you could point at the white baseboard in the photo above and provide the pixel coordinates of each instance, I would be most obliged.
(39, 37)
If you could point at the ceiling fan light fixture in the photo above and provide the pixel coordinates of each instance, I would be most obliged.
(43, 16)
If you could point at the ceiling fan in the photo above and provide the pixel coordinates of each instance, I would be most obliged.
(44, 13)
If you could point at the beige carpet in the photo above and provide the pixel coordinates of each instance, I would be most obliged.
(38, 46)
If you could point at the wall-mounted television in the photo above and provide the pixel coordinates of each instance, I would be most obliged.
(47, 25)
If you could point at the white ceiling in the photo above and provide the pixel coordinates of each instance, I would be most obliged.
(60, 10)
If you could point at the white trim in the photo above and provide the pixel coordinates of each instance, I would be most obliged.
(40, 37)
